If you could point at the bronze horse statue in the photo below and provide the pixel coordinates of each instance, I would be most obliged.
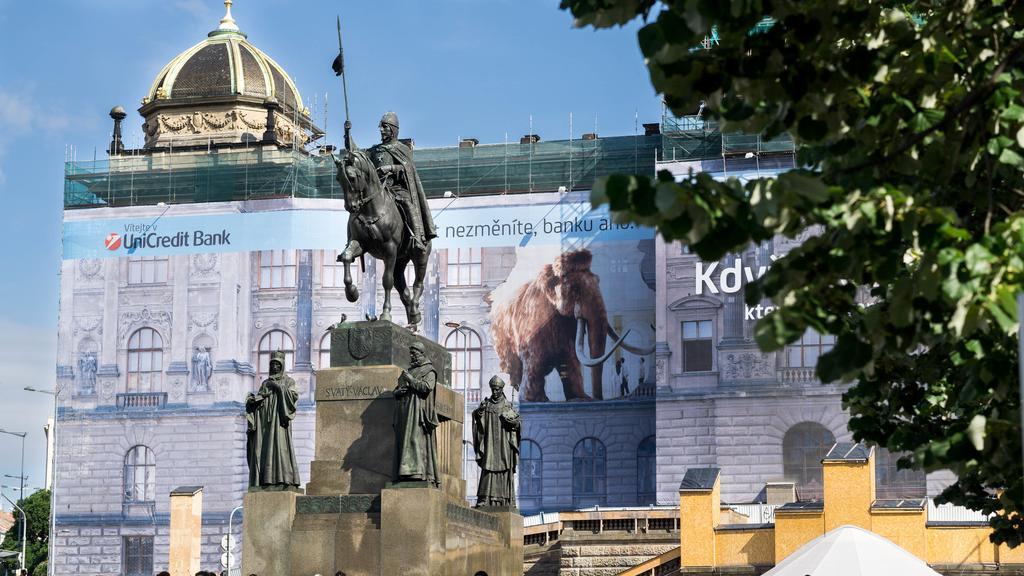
(376, 227)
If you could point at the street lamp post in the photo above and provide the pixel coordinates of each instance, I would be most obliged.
(24, 528)
(21, 491)
(53, 484)
(22, 436)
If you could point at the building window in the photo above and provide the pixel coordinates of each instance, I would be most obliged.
(531, 475)
(891, 483)
(467, 360)
(324, 353)
(277, 269)
(332, 272)
(139, 475)
(137, 556)
(145, 361)
(274, 341)
(464, 266)
(803, 447)
(147, 269)
(589, 473)
(645, 471)
(697, 346)
(804, 353)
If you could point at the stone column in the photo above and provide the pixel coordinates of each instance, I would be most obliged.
(186, 530)
(180, 349)
(107, 372)
(431, 304)
(108, 350)
(733, 316)
(304, 312)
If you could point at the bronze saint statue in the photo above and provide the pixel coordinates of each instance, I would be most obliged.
(415, 421)
(389, 219)
(496, 429)
(268, 415)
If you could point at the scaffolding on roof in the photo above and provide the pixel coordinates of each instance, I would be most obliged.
(239, 174)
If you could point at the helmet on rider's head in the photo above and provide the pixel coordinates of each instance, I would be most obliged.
(391, 119)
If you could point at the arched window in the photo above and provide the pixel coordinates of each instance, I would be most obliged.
(324, 353)
(139, 475)
(589, 473)
(272, 342)
(645, 471)
(891, 483)
(145, 361)
(467, 358)
(803, 447)
(531, 476)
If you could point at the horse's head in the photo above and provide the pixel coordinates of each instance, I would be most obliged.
(358, 178)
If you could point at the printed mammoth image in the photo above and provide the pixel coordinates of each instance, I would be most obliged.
(577, 325)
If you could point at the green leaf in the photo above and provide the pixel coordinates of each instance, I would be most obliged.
(1011, 157)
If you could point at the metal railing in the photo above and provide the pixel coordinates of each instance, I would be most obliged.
(141, 400)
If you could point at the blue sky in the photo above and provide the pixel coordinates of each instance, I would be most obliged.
(450, 68)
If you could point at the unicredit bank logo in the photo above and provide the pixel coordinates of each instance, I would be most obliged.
(148, 237)
(112, 241)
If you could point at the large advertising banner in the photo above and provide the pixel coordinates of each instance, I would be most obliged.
(567, 293)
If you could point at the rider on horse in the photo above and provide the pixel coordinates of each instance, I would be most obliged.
(393, 160)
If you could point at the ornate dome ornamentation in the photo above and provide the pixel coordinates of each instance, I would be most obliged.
(215, 92)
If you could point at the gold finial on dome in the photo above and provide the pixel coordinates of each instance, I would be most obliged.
(227, 22)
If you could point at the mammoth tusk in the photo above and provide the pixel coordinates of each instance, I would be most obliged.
(638, 350)
(583, 356)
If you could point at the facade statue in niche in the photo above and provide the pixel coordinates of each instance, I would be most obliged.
(202, 369)
(496, 435)
(268, 415)
(416, 420)
(87, 373)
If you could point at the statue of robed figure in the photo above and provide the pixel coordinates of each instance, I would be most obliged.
(268, 416)
(496, 433)
(416, 420)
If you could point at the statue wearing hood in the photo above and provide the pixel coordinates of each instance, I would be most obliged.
(268, 415)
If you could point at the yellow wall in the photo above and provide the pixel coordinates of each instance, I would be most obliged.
(699, 512)
(960, 545)
(794, 530)
(849, 492)
(745, 547)
(905, 528)
(1008, 556)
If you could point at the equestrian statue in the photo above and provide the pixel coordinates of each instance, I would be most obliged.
(389, 217)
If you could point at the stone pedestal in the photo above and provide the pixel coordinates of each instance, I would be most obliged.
(266, 532)
(186, 530)
(352, 517)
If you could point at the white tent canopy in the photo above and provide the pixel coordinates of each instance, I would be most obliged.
(851, 551)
